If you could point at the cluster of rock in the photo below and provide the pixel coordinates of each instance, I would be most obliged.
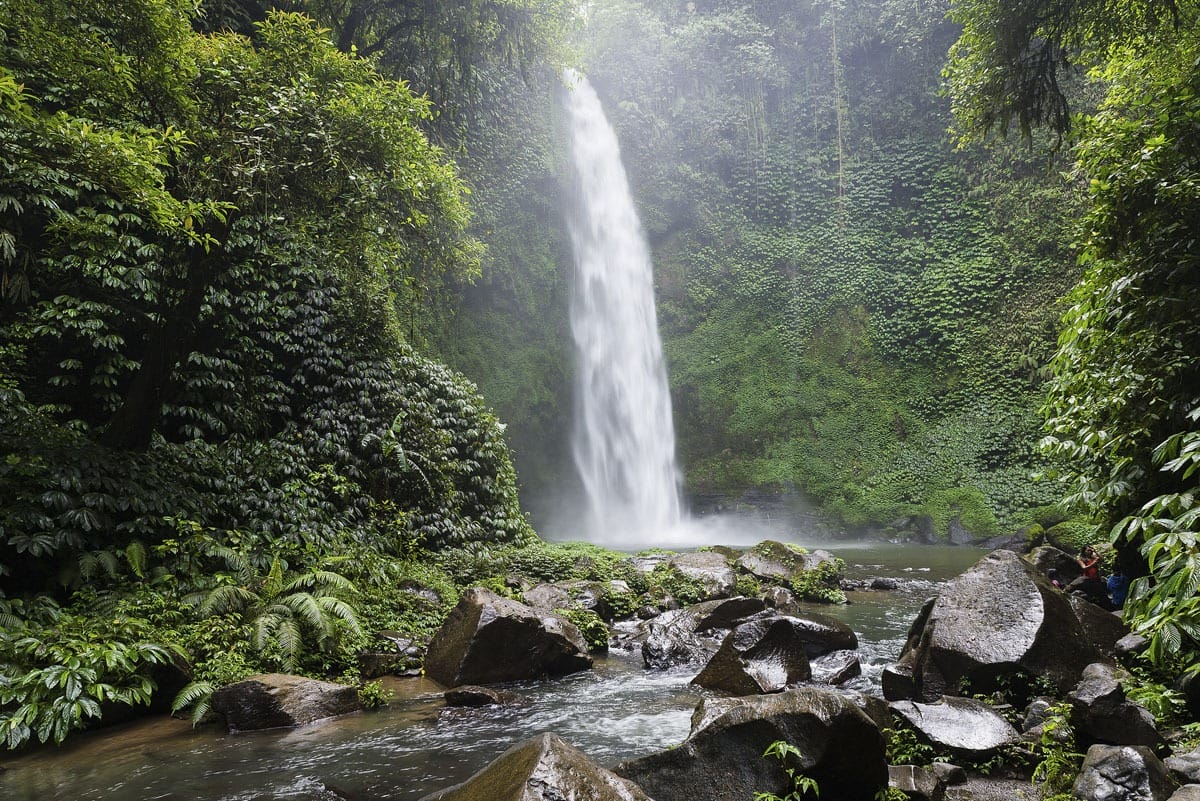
(779, 674)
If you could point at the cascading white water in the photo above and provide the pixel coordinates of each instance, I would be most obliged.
(624, 438)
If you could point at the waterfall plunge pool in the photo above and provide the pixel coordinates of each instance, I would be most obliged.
(615, 712)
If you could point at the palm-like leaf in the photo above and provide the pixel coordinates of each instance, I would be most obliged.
(227, 598)
(336, 607)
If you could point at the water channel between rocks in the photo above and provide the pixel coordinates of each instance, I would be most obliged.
(615, 712)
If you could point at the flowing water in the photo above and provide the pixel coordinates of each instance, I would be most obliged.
(615, 712)
(624, 438)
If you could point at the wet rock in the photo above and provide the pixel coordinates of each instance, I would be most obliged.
(963, 726)
(711, 569)
(1102, 628)
(897, 682)
(1185, 766)
(275, 700)
(1035, 713)
(836, 667)
(1100, 712)
(760, 655)
(1122, 773)
(488, 639)
(884, 583)
(958, 534)
(1131, 645)
(543, 768)
(1047, 557)
(999, 619)
(822, 634)
(780, 599)
(693, 635)
(722, 759)
(948, 773)
(772, 561)
(917, 783)
(474, 695)
(547, 597)
(1189, 685)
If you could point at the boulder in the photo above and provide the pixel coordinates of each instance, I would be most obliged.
(917, 783)
(949, 774)
(487, 639)
(1189, 685)
(1188, 792)
(780, 599)
(692, 635)
(1131, 645)
(1185, 766)
(822, 634)
(773, 561)
(543, 768)
(760, 655)
(547, 597)
(836, 667)
(1100, 713)
(999, 619)
(1047, 557)
(1103, 629)
(712, 570)
(274, 700)
(595, 596)
(1122, 773)
(897, 682)
(958, 534)
(1035, 712)
(722, 759)
(474, 695)
(963, 726)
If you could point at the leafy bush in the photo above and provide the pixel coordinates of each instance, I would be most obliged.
(59, 668)
(821, 583)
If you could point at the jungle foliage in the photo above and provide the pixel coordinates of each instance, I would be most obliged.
(852, 308)
(208, 241)
(1124, 401)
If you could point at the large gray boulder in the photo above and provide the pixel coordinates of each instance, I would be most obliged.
(760, 655)
(962, 726)
(722, 759)
(1102, 628)
(779, 562)
(543, 768)
(711, 569)
(1047, 557)
(1100, 712)
(487, 639)
(999, 619)
(692, 635)
(1122, 773)
(275, 700)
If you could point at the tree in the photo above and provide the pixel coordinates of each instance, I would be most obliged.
(1123, 412)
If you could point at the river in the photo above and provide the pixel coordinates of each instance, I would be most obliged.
(616, 711)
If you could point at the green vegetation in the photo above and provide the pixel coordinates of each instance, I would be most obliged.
(1123, 406)
(852, 309)
(801, 786)
(218, 442)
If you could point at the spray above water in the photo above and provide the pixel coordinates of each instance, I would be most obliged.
(624, 438)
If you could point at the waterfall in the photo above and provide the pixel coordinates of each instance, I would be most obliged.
(624, 438)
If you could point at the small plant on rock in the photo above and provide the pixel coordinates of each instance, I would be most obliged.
(801, 786)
